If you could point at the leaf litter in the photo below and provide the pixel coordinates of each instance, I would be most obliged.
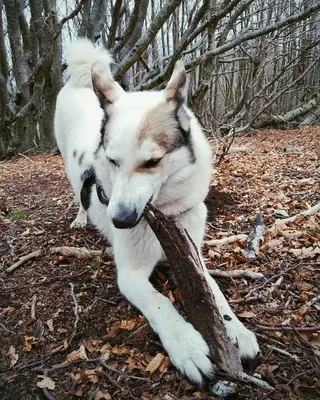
(114, 353)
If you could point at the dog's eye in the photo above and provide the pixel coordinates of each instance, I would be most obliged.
(113, 162)
(151, 163)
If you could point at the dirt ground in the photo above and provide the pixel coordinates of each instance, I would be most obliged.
(111, 352)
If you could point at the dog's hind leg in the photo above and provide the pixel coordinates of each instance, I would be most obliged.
(81, 219)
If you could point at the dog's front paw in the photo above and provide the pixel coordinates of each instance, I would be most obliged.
(79, 222)
(188, 352)
(243, 339)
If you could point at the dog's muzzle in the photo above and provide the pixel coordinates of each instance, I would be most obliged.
(125, 218)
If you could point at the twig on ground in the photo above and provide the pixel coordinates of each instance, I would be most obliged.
(6, 329)
(76, 307)
(80, 253)
(26, 157)
(140, 328)
(289, 328)
(244, 299)
(310, 211)
(237, 273)
(255, 237)
(226, 240)
(256, 288)
(284, 352)
(312, 301)
(33, 307)
(98, 360)
(24, 259)
(257, 382)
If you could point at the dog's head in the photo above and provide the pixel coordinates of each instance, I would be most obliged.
(146, 141)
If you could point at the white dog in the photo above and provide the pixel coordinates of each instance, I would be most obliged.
(143, 147)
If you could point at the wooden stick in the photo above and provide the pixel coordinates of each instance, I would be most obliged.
(76, 314)
(289, 328)
(310, 211)
(81, 253)
(24, 259)
(226, 240)
(199, 301)
(236, 273)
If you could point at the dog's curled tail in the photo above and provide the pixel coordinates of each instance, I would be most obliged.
(80, 56)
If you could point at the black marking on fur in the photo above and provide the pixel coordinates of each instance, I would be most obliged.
(74, 153)
(89, 179)
(81, 158)
(103, 125)
(184, 139)
(227, 317)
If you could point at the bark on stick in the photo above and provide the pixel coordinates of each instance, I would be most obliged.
(199, 301)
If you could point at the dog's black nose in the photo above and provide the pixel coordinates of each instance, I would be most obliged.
(126, 218)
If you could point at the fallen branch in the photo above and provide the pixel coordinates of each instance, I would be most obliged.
(98, 360)
(199, 300)
(310, 211)
(33, 307)
(284, 353)
(289, 328)
(226, 240)
(24, 259)
(257, 382)
(81, 253)
(255, 237)
(237, 273)
(76, 307)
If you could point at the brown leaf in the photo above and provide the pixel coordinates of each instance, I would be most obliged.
(76, 355)
(120, 350)
(29, 341)
(155, 363)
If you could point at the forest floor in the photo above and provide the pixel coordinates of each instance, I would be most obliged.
(280, 170)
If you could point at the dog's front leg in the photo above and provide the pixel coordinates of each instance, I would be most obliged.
(186, 348)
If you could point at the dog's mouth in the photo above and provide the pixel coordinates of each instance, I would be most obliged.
(135, 223)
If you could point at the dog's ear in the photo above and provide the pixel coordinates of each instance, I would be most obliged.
(106, 89)
(177, 86)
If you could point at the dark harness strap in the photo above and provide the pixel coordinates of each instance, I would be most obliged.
(89, 179)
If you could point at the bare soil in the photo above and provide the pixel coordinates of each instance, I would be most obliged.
(280, 170)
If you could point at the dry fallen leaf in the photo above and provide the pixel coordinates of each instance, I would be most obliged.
(13, 356)
(155, 363)
(120, 350)
(46, 383)
(247, 314)
(29, 341)
(306, 252)
(76, 355)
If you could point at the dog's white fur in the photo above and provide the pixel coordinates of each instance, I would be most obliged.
(177, 186)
